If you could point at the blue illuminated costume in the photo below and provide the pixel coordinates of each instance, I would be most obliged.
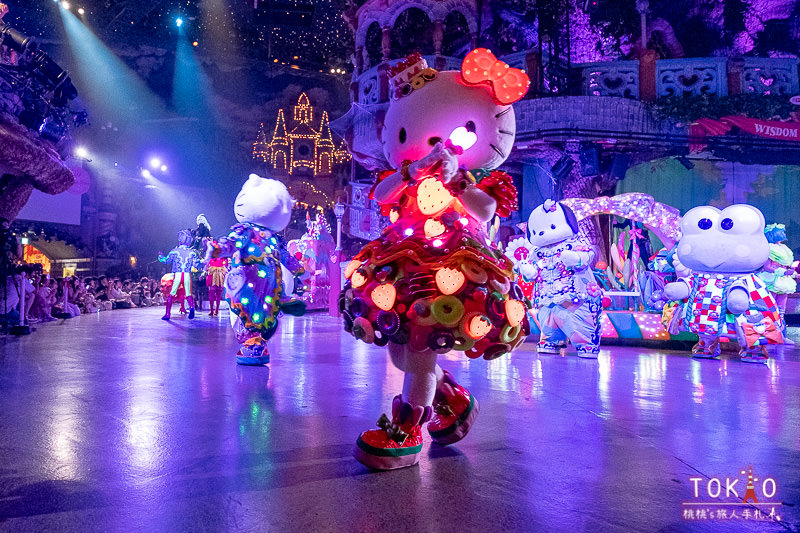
(183, 259)
(258, 288)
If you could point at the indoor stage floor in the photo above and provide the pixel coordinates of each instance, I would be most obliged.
(121, 422)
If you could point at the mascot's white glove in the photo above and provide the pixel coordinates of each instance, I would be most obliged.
(571, 259)
(738, 301)
(677, 290)
(448, 160)
(528, 270)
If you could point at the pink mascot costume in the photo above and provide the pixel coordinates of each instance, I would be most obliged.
(434, 282)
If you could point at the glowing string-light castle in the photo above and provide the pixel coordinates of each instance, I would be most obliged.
(303, 150)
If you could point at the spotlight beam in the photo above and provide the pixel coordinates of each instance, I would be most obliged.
(112, 87)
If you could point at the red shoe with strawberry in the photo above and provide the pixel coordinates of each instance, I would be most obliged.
(455, 410)
(398, 442)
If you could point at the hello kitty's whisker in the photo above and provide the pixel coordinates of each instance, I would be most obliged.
(505, 132)
(498, 150)
(503, 112)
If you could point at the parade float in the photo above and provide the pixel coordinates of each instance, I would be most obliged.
(633, 278)
(313, 251)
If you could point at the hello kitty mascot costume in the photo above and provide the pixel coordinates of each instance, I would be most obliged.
(723, 298)
(558, 261)
(258, 285)
(434, 282)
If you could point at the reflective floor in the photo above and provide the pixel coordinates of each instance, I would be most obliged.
(121, 422)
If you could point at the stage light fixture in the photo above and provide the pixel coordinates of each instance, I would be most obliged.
(562, 168)
(81, 152)
(163, 168)
(65, 5)
(155, 162)
(14, 39)
(52, 129)
(179, 22)
(195, 43)
(146, 174)
(81, 11)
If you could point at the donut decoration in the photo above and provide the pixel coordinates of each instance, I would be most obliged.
(441, 341)
(362, 329)
(466, 306)
(388, 322)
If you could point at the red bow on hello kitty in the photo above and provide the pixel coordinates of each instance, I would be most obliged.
(508, 84)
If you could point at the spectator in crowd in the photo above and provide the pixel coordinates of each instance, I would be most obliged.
(142, 290)
(102, 293)
(9, 307)
(82, 297)
(49, 298)
(41, 310)
(68, 308)
(155, 292)
(121, 299)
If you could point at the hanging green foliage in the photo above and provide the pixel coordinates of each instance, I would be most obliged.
(684, 109)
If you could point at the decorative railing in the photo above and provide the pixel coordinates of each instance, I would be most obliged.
(698, 76)
(614, 78)
(642, 80)
(776, 76)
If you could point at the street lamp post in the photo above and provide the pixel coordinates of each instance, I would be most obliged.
(643, 6)
(336, 271)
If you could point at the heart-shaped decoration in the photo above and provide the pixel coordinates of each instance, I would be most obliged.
(433, 228)
(432, 196)
(463, 138)
(449, 280)
(478, 327)
(515, 312)
(394, 215)
(688, 81)
(767, 80)
(612, 83)
(384, 296)
(351, 267)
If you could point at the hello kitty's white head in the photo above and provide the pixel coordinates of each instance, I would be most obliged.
(265, 202)
(471, 108)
